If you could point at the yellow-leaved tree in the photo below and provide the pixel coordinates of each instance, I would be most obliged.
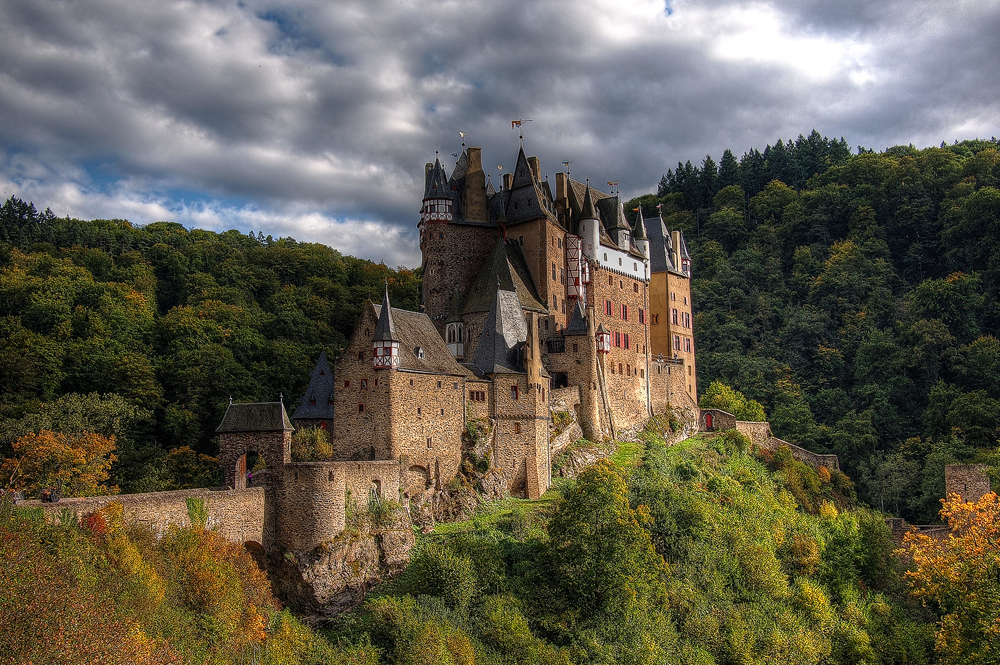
(77, 463)
(957, 577)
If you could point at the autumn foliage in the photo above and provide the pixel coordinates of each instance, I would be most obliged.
(957, 577)
(103, 591)
(78, 463)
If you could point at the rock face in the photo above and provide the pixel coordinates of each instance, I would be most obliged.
(334, 577)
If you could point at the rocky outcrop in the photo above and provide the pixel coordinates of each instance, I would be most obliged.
(334, 577)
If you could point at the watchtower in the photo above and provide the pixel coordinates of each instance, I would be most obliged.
(262, 428)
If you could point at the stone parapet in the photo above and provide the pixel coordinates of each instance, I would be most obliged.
(238, 515)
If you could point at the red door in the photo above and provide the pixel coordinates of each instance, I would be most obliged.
(708, 421)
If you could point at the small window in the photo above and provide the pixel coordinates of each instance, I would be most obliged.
(520, 241)
(513, 392)
(330, 401)
(576, 347)
(620, 368)
(619, 261)
(364, 384)
(606, 258)
(312, 401)
(361, 408)
(430, 442)
(442, 412)
(642, 374)
(418, 410)
(642, 315)
(439, 384)
(361, 355)
(517, 428)
(560, 243)
(347, 383)
(411, 382)
(418, 352)
(635, 287)
(454, 386)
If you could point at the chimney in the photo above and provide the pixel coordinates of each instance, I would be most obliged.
(675, 237)
(475, 159)
(534, 166)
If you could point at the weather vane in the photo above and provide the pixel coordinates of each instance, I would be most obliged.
(566, 164)
(517, 124)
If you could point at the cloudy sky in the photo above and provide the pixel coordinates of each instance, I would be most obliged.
(314, 118)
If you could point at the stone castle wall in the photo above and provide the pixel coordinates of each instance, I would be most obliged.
(624, 368)
(760, 436)
(426, 420)
(969, 481)
(238, 515)
(274, 447)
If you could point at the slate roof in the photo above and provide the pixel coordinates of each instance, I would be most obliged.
(316, 402)
(503, 337)
(639, 229)
(660, 246)
(526, 199)
(506, 266)
(385, 330)
(436, 182)
(578, 321)
(255, 417)
(415, 329)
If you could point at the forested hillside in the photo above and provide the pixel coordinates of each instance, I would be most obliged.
(144, 332)
(856, 297)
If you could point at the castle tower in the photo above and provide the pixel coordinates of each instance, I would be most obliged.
(639, 234)
(262, 428)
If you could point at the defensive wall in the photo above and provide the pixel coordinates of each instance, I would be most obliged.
(759, 433)
(238, 515)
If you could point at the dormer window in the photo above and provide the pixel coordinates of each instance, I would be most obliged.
(418, 351)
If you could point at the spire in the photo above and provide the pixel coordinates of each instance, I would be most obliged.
(639, 230)
(436, 182)
(589, 212)
(385, 331)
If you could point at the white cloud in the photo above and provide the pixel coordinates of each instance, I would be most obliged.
(317, 117)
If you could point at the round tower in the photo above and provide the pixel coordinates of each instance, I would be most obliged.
(589, 226)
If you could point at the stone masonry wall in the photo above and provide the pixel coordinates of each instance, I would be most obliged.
(427, 418)
(721, 420)
(310, 502)
(274, 447)
(453, 255)
(237, 514)
(969, 481)
(758, 433)
(625, 368)
(361, 394)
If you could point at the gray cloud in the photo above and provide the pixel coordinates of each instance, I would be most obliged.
(313, 119)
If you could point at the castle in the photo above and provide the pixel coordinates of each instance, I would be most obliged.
(526, 292)
(529, 296)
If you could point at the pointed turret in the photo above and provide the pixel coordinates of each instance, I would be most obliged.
(385, 341)
(639, 233)
(438, 202)
(685, 257)
(589, 225)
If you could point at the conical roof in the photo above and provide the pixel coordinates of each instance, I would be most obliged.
(318, 398)
(589, 212)
(639, 229)
(436, 183)
(578, 321)
(385, 331)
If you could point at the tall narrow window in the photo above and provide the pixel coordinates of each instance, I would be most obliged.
(513, 392)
